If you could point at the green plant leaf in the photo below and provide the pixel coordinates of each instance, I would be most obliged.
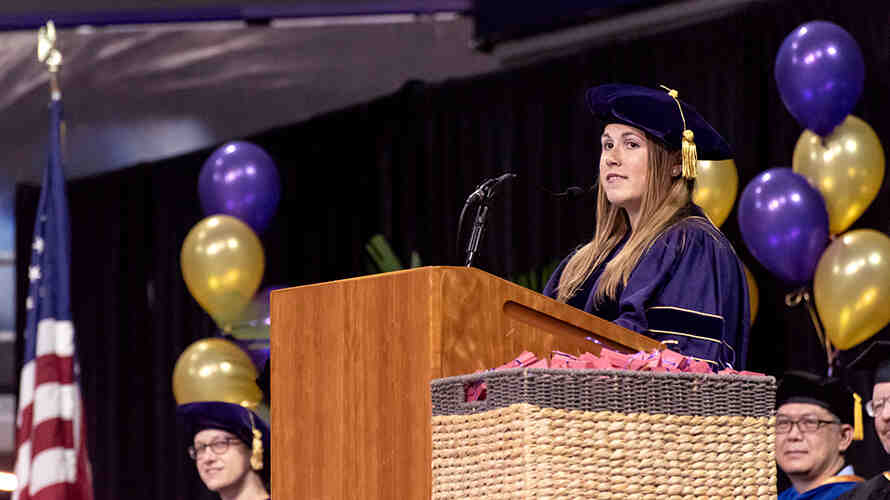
(382, 254)
(536, 278)
(415, 259)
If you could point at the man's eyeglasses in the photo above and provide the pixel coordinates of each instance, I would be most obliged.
(876, 406)
(219, 447)
(805, 424)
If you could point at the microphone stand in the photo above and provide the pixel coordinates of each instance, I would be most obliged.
(483, 195)
(478, 227)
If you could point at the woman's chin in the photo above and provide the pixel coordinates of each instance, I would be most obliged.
(617, 199)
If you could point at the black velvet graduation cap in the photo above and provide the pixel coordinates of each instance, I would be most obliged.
(229, 417)
(828, 392)
(875, 359)
(662, 115)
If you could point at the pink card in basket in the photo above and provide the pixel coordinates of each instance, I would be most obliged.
(616, 359)
(642, 361)
(696, 366)
(541, 363)
(525, 359)
(673, 360)
(561, 360)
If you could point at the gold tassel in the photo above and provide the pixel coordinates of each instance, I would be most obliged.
(256, 457)
(857, 418)
(688, 150)
(690, 155)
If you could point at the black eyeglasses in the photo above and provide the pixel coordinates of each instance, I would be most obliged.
(219, 447)
(805, 424)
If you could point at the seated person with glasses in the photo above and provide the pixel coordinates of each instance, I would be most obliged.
(876, 359)
(813, 431)
(230, 447)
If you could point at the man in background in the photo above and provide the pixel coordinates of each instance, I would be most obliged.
(814, 428)
(876, 359)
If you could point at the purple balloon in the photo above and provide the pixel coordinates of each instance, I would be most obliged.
(820, 73)
(258, 312)
(240, 179)
(784, 223)
(255, 321)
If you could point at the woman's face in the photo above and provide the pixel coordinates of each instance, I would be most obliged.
(624, 166)
(222, 470)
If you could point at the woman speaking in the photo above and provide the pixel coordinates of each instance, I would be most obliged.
(656, 264)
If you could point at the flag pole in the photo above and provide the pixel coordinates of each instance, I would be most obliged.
(51, 454)
(49, 54)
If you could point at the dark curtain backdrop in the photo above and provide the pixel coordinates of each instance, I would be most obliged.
(402, 165)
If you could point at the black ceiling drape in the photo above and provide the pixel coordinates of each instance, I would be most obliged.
(402, 165)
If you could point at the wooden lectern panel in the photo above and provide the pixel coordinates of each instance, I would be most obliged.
(353, 360)
(487, 322)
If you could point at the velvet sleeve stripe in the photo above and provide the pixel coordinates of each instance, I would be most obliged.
(692, 346)
(689, 322)
(669, 332)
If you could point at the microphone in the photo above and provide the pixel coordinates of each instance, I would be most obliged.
(482, 195)
(503, 177)
(481, 192)
(571, 192)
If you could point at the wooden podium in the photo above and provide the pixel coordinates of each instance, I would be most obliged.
(353, 360)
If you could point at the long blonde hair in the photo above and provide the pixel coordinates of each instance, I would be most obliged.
(665, 196)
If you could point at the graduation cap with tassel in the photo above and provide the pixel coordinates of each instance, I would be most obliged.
(828, 392)
(874, 359)
(655, 112)
(236, 419)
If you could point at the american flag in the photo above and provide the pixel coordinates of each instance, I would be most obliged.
(51, 453)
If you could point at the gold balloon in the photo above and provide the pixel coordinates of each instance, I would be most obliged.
(222, 262)
(847, 168)
(852, 287)
(753, 294)
(716, 187)
(215, 370)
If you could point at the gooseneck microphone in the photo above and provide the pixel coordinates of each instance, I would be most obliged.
(486, 188)
(571, 192)
(482, 196)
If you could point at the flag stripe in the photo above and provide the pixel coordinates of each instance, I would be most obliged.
(52, 368)
(51, 434)
(23, 464)
(53, 492)
(57, 465)
(24, 433)
(54, 401)
(26, 391)
(55, 337)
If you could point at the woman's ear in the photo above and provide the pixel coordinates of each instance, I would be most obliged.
(676, 170)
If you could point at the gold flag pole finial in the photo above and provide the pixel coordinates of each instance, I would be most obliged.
(48, 54)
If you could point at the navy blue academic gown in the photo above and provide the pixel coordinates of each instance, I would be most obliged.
(688, 291)
(829, 491)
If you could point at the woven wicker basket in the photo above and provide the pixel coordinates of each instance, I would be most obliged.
(544, 433)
